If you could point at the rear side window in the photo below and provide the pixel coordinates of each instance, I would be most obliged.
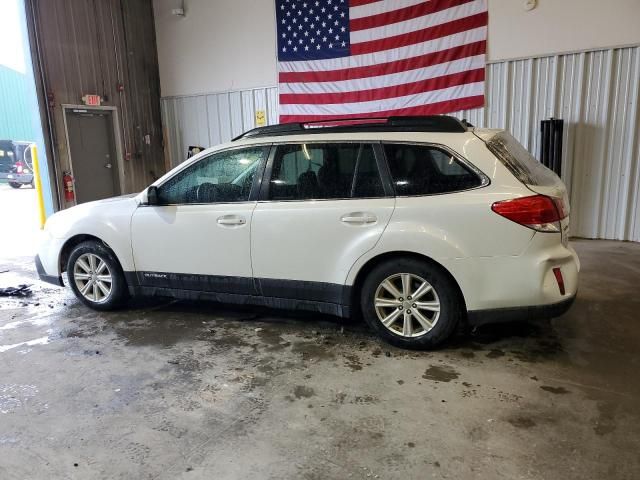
(520, 162)
(427, 170)
(325, 171)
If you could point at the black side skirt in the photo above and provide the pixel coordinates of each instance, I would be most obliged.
(326, 298)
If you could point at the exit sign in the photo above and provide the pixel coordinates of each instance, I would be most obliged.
(92, 100)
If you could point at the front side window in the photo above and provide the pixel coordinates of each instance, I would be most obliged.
(325, 171)
(427, 170)
(222, 177)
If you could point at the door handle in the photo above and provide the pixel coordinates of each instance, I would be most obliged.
(359, 218)
(231, 220)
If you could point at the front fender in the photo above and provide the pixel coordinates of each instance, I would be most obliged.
(109, 221)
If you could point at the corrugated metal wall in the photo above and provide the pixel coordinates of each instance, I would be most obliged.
(92, 47)
(596, 93)
(15, 119)
(207, 120)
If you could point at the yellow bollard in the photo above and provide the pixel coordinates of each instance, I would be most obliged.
(38, 184)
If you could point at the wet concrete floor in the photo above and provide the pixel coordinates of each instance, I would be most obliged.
(179, 390)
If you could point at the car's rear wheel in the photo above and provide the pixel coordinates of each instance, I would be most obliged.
(411, 303)
(15, 185)
(96, 277)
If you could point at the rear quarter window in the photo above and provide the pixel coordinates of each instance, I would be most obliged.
(427, 170)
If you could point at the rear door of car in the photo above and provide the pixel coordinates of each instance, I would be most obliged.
(323, 205)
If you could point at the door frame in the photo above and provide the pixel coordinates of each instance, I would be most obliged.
(117, 139)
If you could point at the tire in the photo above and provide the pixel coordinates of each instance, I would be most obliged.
(15, 185)
(431, 319)
(86, 258)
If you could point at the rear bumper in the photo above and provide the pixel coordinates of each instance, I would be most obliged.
(519, 314)
(511, 282)
(22, 178)
(47, 278)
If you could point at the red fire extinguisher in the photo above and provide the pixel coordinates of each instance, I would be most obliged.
(67, 181)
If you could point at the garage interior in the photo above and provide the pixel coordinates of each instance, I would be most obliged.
(105, 49)
(179, 389)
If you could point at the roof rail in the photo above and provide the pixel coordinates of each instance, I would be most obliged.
(429, 123)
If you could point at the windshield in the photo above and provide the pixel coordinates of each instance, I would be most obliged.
(520, 162)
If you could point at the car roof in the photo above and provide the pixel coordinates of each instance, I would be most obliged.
(426, 123)
(419, 137)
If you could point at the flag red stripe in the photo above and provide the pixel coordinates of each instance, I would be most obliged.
(359, 3)
(430, 109)
(437, 31)
(402, 14)
(407, 64)
(368, 85)
(437, 83)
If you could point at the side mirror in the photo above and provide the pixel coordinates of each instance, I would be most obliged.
(152, 195)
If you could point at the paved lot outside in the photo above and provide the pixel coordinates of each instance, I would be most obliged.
(18, 222)
(169, 390)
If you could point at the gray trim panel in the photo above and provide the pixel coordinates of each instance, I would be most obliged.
(517, 314)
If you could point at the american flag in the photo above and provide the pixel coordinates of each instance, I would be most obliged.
(377, 58)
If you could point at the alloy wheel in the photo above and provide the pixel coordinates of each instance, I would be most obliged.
(93, 278)
(407, 305)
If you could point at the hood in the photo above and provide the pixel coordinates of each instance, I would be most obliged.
(105, 210)
(110, 199)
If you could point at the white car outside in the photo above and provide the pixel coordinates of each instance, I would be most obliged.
(416, 223)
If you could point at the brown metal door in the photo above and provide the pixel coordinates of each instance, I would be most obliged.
(93, 155)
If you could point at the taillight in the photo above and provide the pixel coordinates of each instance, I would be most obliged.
(538, 212)
(19, 167)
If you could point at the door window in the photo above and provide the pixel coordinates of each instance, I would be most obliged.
(426, 170)
(222, 177)
(325, 171)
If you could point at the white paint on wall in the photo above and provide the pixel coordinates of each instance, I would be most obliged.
(560, 26)
(224, 45)
(219, 45)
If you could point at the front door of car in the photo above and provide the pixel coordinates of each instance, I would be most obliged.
(198, 236)
(324, 206)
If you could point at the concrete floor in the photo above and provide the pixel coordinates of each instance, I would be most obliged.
(177, 390)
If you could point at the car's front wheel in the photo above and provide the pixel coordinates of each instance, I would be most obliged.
(411, 303)
(96, 277)
(15, 185)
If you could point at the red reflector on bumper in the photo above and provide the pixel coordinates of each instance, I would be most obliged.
(558, 274)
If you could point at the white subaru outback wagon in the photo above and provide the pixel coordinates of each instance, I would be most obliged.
(419, 223)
